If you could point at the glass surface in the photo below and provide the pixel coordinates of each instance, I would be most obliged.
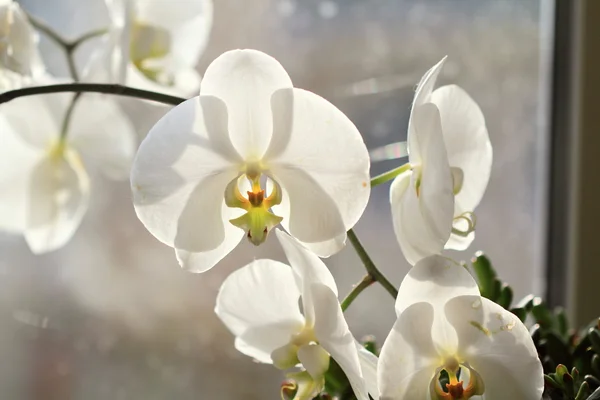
(112, 316)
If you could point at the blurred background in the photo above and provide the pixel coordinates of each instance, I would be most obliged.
(112, 316)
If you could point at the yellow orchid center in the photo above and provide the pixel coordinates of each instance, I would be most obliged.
(57, 150)
(149, 45)
(258, 220)
(448, 385)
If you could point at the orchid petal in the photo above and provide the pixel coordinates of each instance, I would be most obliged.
(102, 133)
(58, 199)
(422, 96)
(469, 148)
(245, 80)
(408, 360)
(188, 23)
(17, 161)
(259, 305)
(499, 347)
(368, 365)
(314, 359)
(334, 335)
(326, 185)
(203, 261)
(186, 81)
(423, 209)
(435, 280)
(40, 132)
(308, 269)
(179, 176)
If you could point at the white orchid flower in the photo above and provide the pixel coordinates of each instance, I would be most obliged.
(259, 303)
(45, 186)
(20, 60)
(450, 343)
(250, 152)
(451, 157)
(154, 45)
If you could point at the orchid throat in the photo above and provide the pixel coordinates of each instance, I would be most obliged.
(258, 220)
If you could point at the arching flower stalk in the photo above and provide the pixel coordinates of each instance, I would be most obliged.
(450, 343)
(450, 154)
(259, 303)
(247, 154)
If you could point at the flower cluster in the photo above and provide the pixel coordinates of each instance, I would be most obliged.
(44, 162)
(250, 153)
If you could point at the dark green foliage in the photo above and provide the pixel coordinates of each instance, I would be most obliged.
(571, 359)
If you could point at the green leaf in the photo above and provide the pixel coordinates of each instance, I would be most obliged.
(594, 336)
(592, 381)
(561, 321)
(485, 274)
(543, 316)
(520, 313)
(506, 296)
(596, 364)
(551, 381)
(557, 350)
(584, 389)
(568, 385)
(496, 289)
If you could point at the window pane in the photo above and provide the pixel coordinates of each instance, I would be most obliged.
(112, 315)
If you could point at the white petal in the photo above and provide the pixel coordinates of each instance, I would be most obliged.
(17, 162)
(368, 365)
(308, 269)
(423, 218)
(245, 81)
(408, 359)
(104, 134)
(436, 191)
(322, 163)
(469, 148)
(189, 24)
(21, 55)
(436, 280)
(334, 335)
(179, 176)
(202, 262)
(259, 304)
(456, 242)
(328, 247)
(422, 96)
(41, 131)
(412, 231)
(186, 81)
(58, 199)
(314, 359)
(498, 346)
(467, 143)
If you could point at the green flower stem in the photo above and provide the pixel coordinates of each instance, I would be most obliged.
(389, 175)
(356, 290)
(47, 30)
(69, 46)
(106, 88)
(372, 270)
(67, 120)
